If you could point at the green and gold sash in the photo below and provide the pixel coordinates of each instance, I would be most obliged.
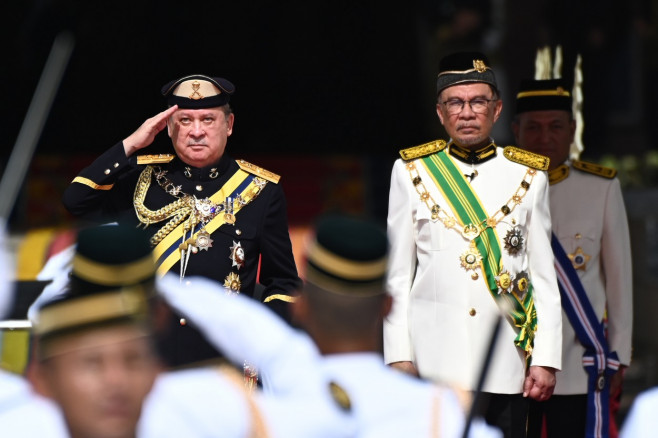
(468, 209)
(242, 185)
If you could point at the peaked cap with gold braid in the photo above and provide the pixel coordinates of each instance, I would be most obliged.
(348, 256)
(111, 256)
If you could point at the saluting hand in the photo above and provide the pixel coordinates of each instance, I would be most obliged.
(146, 133)
(539, 383)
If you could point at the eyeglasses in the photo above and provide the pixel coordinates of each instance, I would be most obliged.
(478, 105)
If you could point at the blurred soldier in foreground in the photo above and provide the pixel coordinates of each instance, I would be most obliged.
(207, 214)
(94, 355)
(213, 401)
(642, 421)
(23, 412)
(342, 306)
(593, 261)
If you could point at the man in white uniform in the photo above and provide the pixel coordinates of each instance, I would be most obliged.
(469, 228)
(342, 306)
(590, 225)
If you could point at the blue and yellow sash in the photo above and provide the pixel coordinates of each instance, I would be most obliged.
(599, 362)
(242, 184)
(468, 209)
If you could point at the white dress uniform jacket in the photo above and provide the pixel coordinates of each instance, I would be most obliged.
(442, 317)
(588, 213)
(388, 403)
(24, 413)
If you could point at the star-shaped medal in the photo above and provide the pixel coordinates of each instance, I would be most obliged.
(579, 259)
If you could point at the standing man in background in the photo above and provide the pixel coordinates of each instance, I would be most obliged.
(593, 260)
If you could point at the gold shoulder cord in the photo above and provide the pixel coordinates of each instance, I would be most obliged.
(177, 210)
(451, 222)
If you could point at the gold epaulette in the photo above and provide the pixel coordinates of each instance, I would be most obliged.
(155, 158)
(527, 158)
(422, 150)
(594, 169)
(258, 171)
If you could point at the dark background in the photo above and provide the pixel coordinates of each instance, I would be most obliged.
(327, 91)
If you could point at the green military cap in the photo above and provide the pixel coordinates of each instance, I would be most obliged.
(198, 91)
(543, 95)
(347, 256)
(464, 67)
(111, 257)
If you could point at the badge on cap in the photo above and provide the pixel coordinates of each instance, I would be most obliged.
(479, 65)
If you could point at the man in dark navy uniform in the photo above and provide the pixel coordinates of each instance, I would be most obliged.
(208, 214)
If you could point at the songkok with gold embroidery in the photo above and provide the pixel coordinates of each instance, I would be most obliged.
(347, 256)
(464, 67)
(110, 257)
(198, 91)
(543, 95)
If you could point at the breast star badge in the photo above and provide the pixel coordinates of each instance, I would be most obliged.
(579, 259)
(237, 255)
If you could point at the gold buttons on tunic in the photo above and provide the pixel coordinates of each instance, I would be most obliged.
(199, 188)
(472, 312)
(182, 321)
(116, 165)
(107, 171)
(238, 232)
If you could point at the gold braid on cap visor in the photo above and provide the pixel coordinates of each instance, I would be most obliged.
(343, 268)
(113, 275)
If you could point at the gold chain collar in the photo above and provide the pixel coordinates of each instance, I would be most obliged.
(186, 206)
(469, 231)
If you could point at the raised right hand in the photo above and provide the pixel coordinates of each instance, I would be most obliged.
(146, 133)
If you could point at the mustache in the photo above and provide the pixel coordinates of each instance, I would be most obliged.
(468, 125)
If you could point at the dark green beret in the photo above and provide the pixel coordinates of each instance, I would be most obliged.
(347, 256)
(464, 67)
(111, 256)
(543, 95)
(198, 91)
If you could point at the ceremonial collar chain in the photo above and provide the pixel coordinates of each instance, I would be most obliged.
(469, 231)
(187, 206)
(472, 157)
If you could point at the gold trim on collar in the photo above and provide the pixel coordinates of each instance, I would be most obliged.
(559, 91)
(113, 275)
(90, 183)
(558, 174)
(472, 157)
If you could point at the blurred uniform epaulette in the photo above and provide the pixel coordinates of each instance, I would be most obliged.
(258, 171)
(155, 159)
(422, 150)
(594, 169)
(527, 158)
